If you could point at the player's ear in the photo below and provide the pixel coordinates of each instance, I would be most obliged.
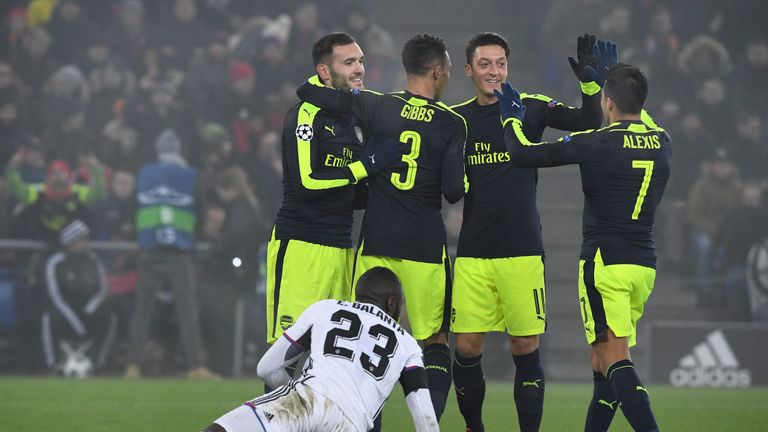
(468, 70)
(323, 72)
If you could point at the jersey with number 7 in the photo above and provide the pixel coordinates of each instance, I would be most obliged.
(402, 218)
(624, 170)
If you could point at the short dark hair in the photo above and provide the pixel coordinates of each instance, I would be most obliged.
(627, 88)
(422, 52)
(377, 285)
(485, 39)
(323, 48)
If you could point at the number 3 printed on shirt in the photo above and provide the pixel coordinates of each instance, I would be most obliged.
(410, 160)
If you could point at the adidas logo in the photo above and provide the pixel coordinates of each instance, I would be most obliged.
(711, 363)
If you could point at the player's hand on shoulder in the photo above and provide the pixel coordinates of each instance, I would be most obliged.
(380, 153)
(510, 104)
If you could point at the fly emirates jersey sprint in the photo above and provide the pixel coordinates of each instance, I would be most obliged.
(357, 354)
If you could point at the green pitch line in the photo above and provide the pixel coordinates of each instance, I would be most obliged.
(116, 405)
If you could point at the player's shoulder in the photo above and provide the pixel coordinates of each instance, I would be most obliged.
(539, 99)
(466, 107)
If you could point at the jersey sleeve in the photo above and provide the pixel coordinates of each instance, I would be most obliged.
(454, 180)
(300, 145)
(575, 148)
(363, 104)
(560, 116)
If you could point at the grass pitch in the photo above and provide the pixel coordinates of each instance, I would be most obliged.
(116, 405)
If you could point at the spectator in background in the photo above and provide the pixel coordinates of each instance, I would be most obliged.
(150, 117)
(382, 62)
(13, 130)
(241, 108)
(57, 202)
(714, 194)
(117, 213)
(40, 11)
(750, 74)
(32, 165)
(304, 32)
(208, 73)
(743, 227)
(751, 148)
(70, 31)
(62, 114)
(217, 154)
(180, 36)
(118, 143)
(109, 83)
(166, 222)
(78, 330)
(34, 64)
(12, 30)
(267, 174)
(128, 35)
(231, 264)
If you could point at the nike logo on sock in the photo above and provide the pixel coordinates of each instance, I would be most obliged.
(608, 404)
(531, 383)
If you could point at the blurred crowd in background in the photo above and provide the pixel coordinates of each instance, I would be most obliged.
(91, 90)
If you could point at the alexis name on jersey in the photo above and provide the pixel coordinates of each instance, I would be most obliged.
(377, 312)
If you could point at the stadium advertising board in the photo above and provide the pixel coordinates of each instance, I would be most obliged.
(708, 354)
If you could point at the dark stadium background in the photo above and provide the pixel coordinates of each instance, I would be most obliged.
(707, 63)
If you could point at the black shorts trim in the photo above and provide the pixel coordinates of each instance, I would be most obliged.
(278, 281)
(595, 302)
(448, 293)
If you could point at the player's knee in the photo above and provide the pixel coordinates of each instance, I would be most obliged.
(468, 346)
(437, 338)
(522, 345)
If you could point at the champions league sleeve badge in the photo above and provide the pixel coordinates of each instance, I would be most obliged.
(304, 132)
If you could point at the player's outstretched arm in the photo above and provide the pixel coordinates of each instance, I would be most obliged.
(525, 154)
(363, 104)
(414, 382)
(272, 367)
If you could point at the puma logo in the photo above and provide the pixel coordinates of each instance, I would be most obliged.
(330, 129)
(372, 158)
(608, 404)
(460, 390)
(534, 383)
(641, 388)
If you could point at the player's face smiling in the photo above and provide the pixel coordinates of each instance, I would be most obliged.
(347, 70)
(488, 69)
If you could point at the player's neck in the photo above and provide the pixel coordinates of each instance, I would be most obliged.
(484, 99)
(421, 86)
(614, 117)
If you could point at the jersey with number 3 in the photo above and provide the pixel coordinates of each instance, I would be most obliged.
(357, 353)
(624, 170)
(402, 217)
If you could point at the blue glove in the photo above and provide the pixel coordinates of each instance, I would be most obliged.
(606, 56)
(584, 68)
(510, 105)
(379, 154)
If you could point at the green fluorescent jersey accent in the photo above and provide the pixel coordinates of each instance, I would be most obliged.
(619, 368)
(464, 103)
(590, 88)
(307, 113)
(358, 170)
(641, 388)
(159, 215)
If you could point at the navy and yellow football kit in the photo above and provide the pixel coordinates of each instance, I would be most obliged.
(499, 274)
(624, 170)
(403, 227)
(310, 255)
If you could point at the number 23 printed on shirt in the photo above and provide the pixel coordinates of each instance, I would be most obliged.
(647, 165)
(384, 352)
(409, 158)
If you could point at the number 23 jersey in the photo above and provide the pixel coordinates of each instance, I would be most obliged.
(357, 353)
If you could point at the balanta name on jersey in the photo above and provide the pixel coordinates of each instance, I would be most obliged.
(378, 313)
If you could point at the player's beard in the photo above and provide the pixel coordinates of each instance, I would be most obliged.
(339, 81)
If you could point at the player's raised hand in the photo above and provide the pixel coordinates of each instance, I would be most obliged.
(381, 153)
(606, 55)
(510, 105)
(584, 67)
